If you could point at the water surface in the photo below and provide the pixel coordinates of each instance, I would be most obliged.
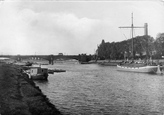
(102, 90)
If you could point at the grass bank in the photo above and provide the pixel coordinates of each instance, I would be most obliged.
(20, 96)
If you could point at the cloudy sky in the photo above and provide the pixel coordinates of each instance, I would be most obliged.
(72, 27)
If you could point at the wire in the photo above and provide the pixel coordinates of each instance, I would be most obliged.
(123, 34)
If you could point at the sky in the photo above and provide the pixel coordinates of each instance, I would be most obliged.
(44, 27)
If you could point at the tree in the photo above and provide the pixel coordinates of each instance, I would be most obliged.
(116, 50)
(159, 44)
(101, 50)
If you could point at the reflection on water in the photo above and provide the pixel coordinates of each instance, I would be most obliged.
(97, 90)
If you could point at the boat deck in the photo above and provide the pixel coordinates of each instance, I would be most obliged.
(133, 64)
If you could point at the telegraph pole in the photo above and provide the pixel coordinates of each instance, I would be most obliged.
(132, 28)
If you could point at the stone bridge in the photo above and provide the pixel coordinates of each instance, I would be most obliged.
(50, 58)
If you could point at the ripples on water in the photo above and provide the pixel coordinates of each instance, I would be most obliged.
(98, 90)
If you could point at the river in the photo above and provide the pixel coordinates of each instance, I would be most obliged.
(92, 89)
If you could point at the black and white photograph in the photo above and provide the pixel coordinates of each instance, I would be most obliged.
(81, 57)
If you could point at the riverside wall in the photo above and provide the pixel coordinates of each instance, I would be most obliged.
(20, 96)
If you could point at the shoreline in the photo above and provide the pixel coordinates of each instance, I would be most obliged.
(19, 94)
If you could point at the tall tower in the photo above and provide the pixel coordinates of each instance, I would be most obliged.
(146, 28)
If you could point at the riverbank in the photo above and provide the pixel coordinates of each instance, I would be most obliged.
(20, 96)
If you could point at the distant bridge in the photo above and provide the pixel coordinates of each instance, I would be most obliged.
(50, 58)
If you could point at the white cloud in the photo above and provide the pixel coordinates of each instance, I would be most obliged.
(12, 36)
(62, 32)
(25, 31)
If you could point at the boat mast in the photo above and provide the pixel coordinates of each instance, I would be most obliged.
(132, 37)
(132, 27)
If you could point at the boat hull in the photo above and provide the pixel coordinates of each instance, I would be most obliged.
(39, 76)
(144, 69)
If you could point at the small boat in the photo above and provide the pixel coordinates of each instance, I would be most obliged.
(59, 70)
(38, 73)
(51, 71)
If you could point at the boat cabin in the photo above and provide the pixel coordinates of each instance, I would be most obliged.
(38, 70)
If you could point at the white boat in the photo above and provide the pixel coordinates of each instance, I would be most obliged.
(135, 67)
(143, 69)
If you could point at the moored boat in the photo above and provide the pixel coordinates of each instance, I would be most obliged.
(139, 69)
(51, 71)
(133, 66)
(59, 70)
(38, 73)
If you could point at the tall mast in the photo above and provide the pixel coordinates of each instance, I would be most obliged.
(132, 27)
(132, 36)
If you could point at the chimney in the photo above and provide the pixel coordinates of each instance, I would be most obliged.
(146, 28)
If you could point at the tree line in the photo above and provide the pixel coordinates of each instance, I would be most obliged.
(143, 47)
